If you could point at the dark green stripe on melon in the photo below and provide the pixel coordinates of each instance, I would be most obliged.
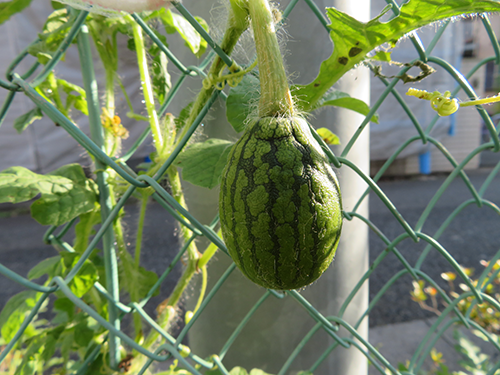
(280, 205)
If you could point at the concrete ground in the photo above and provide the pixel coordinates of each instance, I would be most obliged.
(398, 343)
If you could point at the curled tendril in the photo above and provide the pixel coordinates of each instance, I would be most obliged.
(232, 79)
(444, 105)
(441, 103)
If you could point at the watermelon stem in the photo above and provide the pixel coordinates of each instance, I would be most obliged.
(237, 25)
(275, 99)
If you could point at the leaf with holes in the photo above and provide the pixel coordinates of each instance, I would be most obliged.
(353, 39)
(328, 136)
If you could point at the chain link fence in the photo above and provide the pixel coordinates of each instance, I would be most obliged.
(476, 294)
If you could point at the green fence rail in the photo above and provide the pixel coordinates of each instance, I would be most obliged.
(477, 292)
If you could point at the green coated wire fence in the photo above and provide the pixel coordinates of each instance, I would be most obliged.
(476, 292)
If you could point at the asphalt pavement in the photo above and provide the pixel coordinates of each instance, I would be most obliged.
(471, 237)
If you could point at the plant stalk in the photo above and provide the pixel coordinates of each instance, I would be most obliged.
(112, 141)
(109, 60)
(275, 97)
(140, 227)
(237, 24)
(168, 310)
(147, 87)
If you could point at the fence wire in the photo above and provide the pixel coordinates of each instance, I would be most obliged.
(172, 347)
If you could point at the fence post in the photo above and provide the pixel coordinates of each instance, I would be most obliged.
(353, 252)
(277, 327)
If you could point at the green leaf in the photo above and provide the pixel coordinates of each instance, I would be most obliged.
(75, 173)
(14, 312)
(79, 102)
(241, 100)
(65, 305)
(9, 8)
(328, 136)
(137, 281)
(57, 19)
(62, 205)
(484, 337)
(473, 358)
(443, 370)
(69, 87)
(66, 192)
(84, 228)
(402, 367)
(174, 22)
(180, 121)
(54, 31)
(18, 184)
(202, 163)
(66, 344)
(159, 69)
(344, 100)
(31, 363)
(353, 39)
(49, 348)
(86, 277)
(45, 267)
(257, 371)
(23, 121)
(83, 334)
(57, 5)
(50, 343)
(382, 56)
(203, 43)
(238, 371)
(97, 364)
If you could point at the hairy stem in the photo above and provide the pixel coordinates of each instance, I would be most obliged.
(113, 142)
(237, 24)
(140, 227)
(275, 97)
(168, 309)
(147, 87)
(109, 59)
